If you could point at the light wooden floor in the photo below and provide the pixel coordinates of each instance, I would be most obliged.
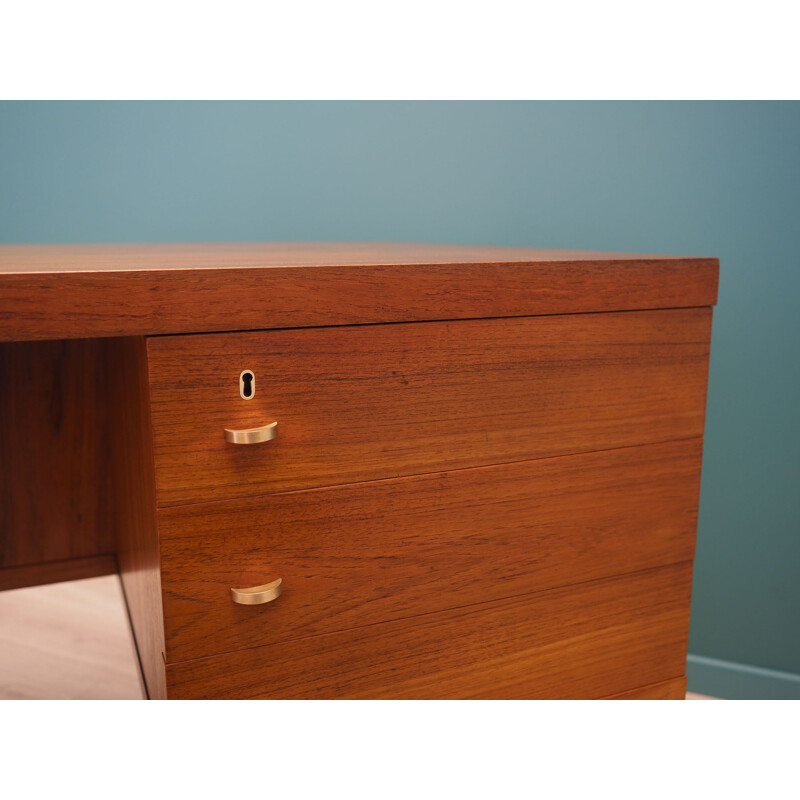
(72, 641)
(67, 641)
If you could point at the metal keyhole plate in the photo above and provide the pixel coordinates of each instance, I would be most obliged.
(247, 385)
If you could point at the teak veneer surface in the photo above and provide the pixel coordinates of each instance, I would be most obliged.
(72, 291)
(369, 402)
(363, 553)
(134, 508)
(585, 641)
(55, 505)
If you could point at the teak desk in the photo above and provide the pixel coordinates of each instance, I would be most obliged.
(363, 470)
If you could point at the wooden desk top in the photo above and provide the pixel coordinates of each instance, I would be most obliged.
(88, 291)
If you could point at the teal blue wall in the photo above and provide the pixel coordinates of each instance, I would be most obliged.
(718, 179)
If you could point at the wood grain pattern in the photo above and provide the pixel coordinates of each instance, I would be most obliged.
(70, 569)
(71, 291)
(355, 555)
(369, 402)
(674, 689)
(586, 641)
(134, 519)
(54, 499)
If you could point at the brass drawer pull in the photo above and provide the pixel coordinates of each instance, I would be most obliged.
(256, 595)
(252, 435)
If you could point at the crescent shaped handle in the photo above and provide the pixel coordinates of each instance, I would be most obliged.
(256, 595)
(252, 435)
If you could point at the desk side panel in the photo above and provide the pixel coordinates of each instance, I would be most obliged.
(134, 509)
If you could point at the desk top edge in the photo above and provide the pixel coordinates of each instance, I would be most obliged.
(89, 291)
(31, 259)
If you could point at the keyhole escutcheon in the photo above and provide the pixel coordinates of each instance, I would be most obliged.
(247, 385)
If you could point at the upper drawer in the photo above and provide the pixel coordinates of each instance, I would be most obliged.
(357, 403)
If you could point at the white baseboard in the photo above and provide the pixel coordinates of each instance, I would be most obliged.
(735, 681)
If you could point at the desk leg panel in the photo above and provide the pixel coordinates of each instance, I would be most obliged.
(134, 510)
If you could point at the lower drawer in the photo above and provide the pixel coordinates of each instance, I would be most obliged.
(368, 553)
(586, 641)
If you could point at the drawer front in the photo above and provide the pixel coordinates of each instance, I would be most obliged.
(587, 641)
(377, 401)
(360, 554)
